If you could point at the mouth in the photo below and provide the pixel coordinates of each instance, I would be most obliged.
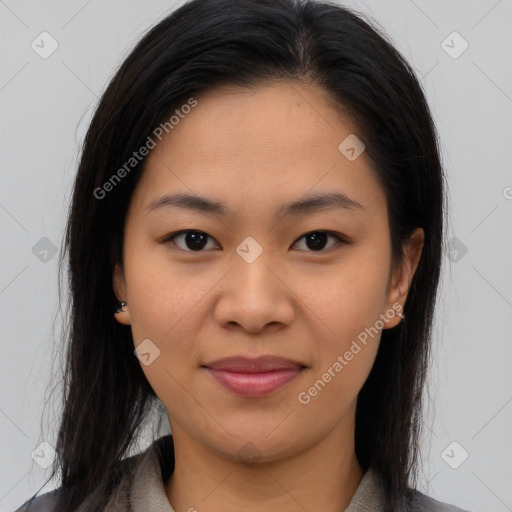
(253, 378)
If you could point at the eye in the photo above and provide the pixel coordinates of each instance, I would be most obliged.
(196, 241)
(193, 240)
(316, 240)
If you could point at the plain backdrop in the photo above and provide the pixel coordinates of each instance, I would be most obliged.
(460, 51)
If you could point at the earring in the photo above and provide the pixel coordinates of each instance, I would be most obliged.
(121, 310)
(401, 315)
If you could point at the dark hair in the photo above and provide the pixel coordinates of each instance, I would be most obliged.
(203, 44)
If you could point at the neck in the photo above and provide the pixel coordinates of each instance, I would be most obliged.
(323, 477)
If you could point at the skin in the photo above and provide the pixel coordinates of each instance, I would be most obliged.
(254, 150)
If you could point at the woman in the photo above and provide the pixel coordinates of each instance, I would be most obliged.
(259, 213)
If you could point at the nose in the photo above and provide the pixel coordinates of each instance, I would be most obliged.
(255, 296)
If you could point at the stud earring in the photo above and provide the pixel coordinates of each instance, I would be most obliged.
(120, 309)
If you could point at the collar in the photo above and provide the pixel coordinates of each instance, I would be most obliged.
(154, 466)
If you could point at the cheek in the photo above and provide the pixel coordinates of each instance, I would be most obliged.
(349, 302)
(348, 337)
(160, 293)
(349, 298)
(332, 390)
(168, 308)
(155, 311)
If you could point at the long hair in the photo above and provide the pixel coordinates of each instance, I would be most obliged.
(202, 44)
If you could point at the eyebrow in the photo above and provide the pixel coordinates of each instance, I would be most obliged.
(305, 205)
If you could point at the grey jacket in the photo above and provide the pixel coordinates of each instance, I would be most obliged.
(142, 489)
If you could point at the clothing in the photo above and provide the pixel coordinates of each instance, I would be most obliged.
(142, 487)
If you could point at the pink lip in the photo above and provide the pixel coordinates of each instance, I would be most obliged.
(254, 377)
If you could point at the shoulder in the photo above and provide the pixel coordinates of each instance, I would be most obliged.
(371, 495)
(422, 503)
(47, 502)
(44, 503)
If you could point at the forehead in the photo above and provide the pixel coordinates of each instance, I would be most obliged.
(252, 146)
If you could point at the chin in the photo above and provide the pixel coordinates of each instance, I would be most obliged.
(253, 447)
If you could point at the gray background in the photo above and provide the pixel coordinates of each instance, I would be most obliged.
(46, 105)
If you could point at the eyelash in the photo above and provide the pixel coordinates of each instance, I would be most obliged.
(340, 238)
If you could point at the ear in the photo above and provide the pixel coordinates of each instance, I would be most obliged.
(401, 278)
(119, 285)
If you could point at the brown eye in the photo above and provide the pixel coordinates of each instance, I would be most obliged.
(317, 240)
(195, 241)
(190, 240)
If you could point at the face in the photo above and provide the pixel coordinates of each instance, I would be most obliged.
(312, 284)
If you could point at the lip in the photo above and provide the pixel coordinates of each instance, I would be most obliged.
(256, 377)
